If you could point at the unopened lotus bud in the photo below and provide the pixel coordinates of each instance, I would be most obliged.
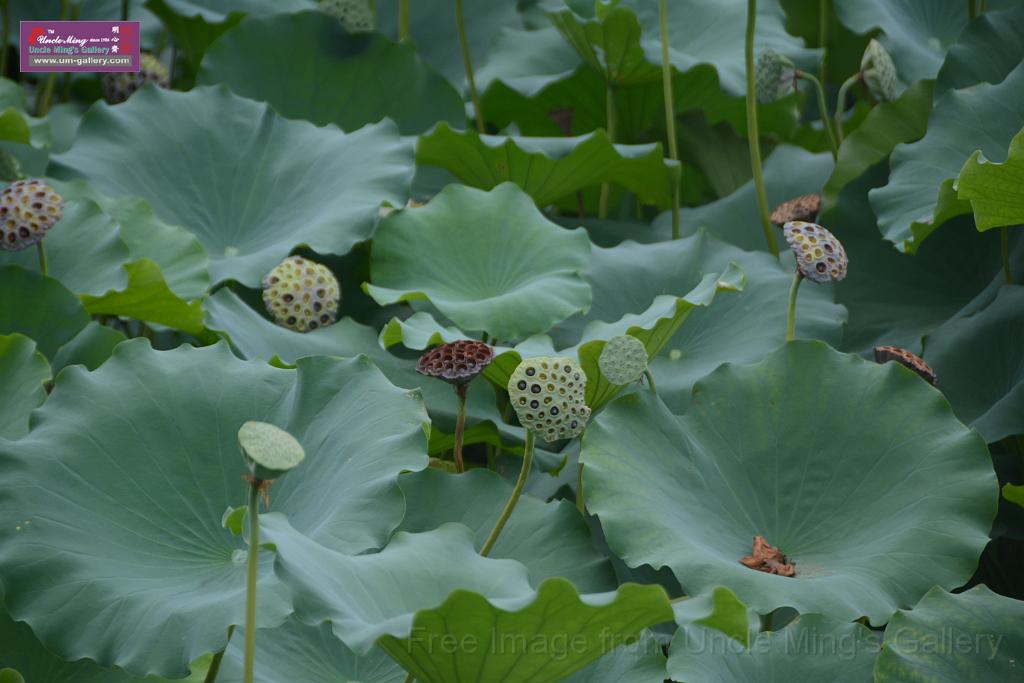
(458, 362)
(301, 295)
(879, 72)
(774, 75)
(884, 354)
(355, 15)
(819, 255)
(28, 209)
(548, 394)
(804, 208)
(118, 87)
(623, 359)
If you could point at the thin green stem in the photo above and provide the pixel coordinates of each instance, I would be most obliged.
(823, 109)
(972, 9)
(5, 9)
(252, 573)
(841, 104)
(1004, 242)
(42, 257)
(823, 38)
(670, 113)
(460, 25)
(403, 21)
(612, 122)
(125, 4)
(524, 474)
(460, 428)
(753, 136)
(211, 673)
(581, 502)
(791, 311)
(650, 381)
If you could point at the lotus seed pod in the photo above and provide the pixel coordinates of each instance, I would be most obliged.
(270, 450)
(548, 394)
(819, 255)
(28, 209)
(10, 168)
(907, 359)
(118, 87)
(457, 363)
(774, 75)
(355, 15)
(623, 359)
(804, 208)
(301, 295)
(879, 72)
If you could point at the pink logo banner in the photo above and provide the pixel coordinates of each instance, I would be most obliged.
(80, 46)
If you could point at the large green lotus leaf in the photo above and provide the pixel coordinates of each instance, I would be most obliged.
(40, 308)
(886, 125)
(549, 539)
(549, 169)
(148, 298)
(489, 261)
(973, 636)
(23, 373)
(83, 250)
(127, 471)
(994, 189)
(639, 662)
(920, 197)
(996, 34)
(827, 463)
(312, 654)
(811, 647)
(502, 629)
(979, 360)
(336, 77)
(215, 163)
(91, 347)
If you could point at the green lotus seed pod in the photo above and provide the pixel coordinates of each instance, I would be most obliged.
(269, 450)
(548, 394)
(879, 72)
(355, 15)
(10, 676)
(118, 87)
(819, 255)
(28, 209)
(10, 167)
(623, 359)
(301, 295)
(774, 76)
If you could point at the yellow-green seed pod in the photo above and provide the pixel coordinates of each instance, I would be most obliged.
(269, 450)
(879, 72)
(623, 359)
(28, 209)
(355, 15)
(819, 255)
(549, 396)
(302, 295)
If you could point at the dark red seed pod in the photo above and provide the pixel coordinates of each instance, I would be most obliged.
(458, 362)
(910, 360)
(804, 208)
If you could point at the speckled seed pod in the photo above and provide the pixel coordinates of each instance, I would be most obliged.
(884, 354)
(301, 295)
(819, 255)
(879, 72)
(10, 168)
(458, 362)
(774, 76)
(548, 395)
(804, 208)
(28, 209)
(118, 87)
(355, 15)
(623, 359)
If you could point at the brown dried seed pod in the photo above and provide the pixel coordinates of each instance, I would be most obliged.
(819, 255)
(457, 362)
(301, 295)
(28, 209)
(907, 359)
(803, 208)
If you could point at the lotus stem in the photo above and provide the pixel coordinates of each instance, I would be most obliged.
(41, 248)
(211, 673)
(650, 381)
(753, 135)
(524, 474)
(5, 10)
(403, 21)
(581, 502)
(670, 113)
(125, 4)
(460, 25)
(841, 105)
(460, 427)
(791, 311)
(1004, 242)
(612, 117)
(823, 38)
(252, 572)
(823, 108)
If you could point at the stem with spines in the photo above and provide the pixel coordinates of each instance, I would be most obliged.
(460, 428)
(823, 108)
(524, 474)
(251, 575)
(467, 62)
(41, 248)
(753, 135)
(670, 113)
